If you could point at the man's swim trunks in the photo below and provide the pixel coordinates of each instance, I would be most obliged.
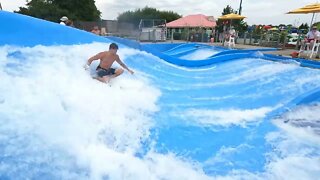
(105, 72)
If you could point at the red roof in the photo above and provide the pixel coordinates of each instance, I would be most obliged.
(197, 20)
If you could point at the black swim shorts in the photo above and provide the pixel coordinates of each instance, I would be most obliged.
(105, 72)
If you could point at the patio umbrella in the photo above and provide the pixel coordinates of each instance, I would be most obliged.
(231, 17)
(267, 27)
(311, 8)
(273, 29)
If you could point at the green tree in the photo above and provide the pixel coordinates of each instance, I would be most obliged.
(84, 10)
(135, 16)
(228, 10)
(53, 10)
(43, 10)
(303, 26)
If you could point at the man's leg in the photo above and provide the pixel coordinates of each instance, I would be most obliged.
(117, 72)
(107, 79)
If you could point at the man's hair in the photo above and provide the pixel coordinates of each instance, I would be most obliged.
(113, 46)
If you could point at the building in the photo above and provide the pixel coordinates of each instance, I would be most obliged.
(196, 27)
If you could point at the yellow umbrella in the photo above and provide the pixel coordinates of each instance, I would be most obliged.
(231, 16)
(274, 29)
(312, 8)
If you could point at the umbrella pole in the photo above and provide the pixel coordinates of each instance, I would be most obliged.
(311, 21)
(223, 34)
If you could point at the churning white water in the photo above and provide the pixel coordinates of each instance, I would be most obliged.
(200, 54)
(56, 122)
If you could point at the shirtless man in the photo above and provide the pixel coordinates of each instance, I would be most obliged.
(104, 70)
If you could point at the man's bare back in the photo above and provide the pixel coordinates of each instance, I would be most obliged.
(104, 71)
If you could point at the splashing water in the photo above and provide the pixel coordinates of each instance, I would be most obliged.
(200, 54)
(57, 122)
(165, 122)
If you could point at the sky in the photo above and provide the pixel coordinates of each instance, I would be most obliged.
(256, 11)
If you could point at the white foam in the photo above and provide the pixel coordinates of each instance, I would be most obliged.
(295, 148)
(48, 98)
(200, 54)
(52, 111)
(263, 71)
(301, 124)
(226, 117)
(296, 145)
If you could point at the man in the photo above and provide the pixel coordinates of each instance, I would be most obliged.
(232, 32)
(107, 58)
(312, 36)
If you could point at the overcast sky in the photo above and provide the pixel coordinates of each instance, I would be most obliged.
(257, 11)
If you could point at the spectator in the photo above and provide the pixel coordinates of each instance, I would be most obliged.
(69, 23)
(312, 36)
(63, 20)
(96, 30)
(232, 32)
(103, 31)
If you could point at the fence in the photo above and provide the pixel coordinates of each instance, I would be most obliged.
(273, 39)
(154, 33)
(266, 39)
(111, 27)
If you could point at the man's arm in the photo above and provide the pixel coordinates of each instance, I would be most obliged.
(123, 65)
(95, 57)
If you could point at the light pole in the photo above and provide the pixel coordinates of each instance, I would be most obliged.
(240, 8)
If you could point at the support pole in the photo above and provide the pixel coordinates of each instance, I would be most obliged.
(240, 8)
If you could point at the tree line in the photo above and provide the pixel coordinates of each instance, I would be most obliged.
(86, 10)
(53, 10)
(135, 16)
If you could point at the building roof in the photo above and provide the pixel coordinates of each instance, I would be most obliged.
(197, 20)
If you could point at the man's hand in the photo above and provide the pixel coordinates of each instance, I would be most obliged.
(131, 72)
(86, 66)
